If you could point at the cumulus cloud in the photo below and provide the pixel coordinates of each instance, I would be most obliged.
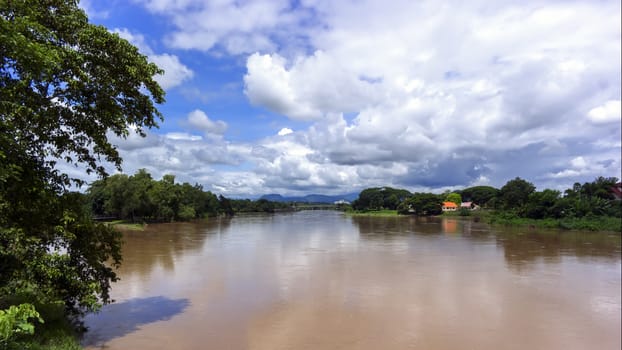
(235, 27)
(446, 101)
(285, 131)
(423, 95)
(189, 157)
(199, 120)
(175, 72)
(182, 136)
(303, 91)
(607, 113)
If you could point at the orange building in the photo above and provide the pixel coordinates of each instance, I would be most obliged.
(449, 206)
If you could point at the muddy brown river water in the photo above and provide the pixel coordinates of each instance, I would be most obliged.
(322, 280)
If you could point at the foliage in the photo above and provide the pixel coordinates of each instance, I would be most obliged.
(66, 83)
(384, 212)
(542, 205)
(57, 333)
(612, 224)
(380, 198)
(65, 86)
(580, 207)
(141, 198)
(480, 195)
(464, 212)
(15, 321)
(515, 193)
(599, 188)
(454, 198)
(423, 204)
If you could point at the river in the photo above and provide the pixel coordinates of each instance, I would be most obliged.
(322, 280)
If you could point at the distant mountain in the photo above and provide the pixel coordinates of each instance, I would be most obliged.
(311, 198)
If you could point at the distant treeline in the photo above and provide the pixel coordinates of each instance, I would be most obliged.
(140, 197)
(517, 198)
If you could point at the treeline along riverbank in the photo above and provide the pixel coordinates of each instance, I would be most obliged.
(139, 197)
(588, 206)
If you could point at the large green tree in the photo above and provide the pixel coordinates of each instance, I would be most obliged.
(515, 193)
(481, 195)
(380, 198)
(65, 86)
(423, 204)
(454, 198)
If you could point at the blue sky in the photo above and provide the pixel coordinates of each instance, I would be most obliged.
(319, 96)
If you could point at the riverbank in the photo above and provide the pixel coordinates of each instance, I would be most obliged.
(600, 223)
(127, 225)
(383, 212)
(584, 224)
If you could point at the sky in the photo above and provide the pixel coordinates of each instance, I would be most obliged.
(331, 97)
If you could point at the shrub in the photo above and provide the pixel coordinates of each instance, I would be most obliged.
(15, 321)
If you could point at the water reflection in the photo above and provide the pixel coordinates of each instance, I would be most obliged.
(160, 245)
(321, 280)
(371, 227)
(524, 247)
(119, 319)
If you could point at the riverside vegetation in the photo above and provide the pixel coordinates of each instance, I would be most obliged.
(588, 206)
(140, 198)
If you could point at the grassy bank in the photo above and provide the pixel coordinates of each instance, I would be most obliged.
(586, 223)
(373, 213)
(508, 219)
(127, 225)
(51, 339)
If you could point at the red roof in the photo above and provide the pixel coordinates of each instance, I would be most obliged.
(450, 205)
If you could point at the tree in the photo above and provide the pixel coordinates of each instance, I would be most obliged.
(166, 198)
(515, 193)
(424, 204)
(480, 195)
(380, 198)
(454, 198)
(543, 205)
(65, 85)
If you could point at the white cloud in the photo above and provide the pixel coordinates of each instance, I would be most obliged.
(91, 11)
(413, 94)
(441, 99)
(285, 131)
(175, 72)
(236, 27)
(586, 168)
(199, 120)
(578, 162)
(268, 84)
(310, 88)
(182, 136)
(607, 113)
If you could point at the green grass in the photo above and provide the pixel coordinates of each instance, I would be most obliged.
(56, 333)
(127, 225)
(383, 212)
(56, 339)
(587, 223)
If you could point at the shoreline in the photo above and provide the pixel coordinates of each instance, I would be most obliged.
(594, 224)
